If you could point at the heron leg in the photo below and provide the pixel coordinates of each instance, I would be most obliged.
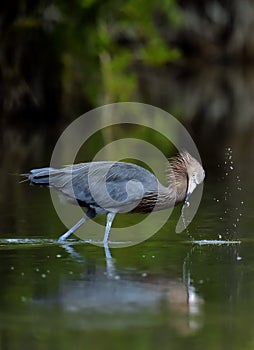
(110, 218)
(73, 229)
(107, 251)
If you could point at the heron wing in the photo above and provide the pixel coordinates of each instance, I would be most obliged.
(114, 186)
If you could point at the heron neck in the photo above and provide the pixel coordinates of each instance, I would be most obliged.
(173, 194)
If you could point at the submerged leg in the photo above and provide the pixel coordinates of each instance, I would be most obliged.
(107, 251)
(110, 218)
(73, 228)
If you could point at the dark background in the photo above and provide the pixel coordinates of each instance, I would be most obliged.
(58, 60)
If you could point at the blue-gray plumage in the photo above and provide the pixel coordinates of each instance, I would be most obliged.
(119, 187)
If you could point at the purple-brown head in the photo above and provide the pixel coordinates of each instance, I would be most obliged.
(187, 173)
(195, 173)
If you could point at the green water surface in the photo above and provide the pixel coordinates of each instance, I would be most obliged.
(190, 290)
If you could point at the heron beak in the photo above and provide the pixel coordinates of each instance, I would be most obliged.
(191, 187)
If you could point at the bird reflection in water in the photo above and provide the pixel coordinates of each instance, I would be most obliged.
(111, 290)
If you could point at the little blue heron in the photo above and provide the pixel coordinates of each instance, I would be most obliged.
(117, 187)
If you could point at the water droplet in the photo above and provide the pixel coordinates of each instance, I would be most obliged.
(43, 275)
(58, 255)
(231, 167)
(144, 274)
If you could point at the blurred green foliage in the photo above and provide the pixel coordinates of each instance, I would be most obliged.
(102, 41)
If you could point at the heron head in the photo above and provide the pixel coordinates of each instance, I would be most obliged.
(195, 173)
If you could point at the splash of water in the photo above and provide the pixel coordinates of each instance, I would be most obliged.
(232, 214)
